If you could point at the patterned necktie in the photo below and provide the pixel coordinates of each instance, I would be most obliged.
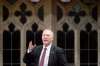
(42, 57)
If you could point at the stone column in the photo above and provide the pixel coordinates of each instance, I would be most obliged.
(98, 48)
(49, 16)
(98, 36)
(77, 48)
(23, 46)
(1, 36)
(48, 13)
(1, 46)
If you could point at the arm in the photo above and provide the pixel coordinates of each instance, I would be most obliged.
(30, 55)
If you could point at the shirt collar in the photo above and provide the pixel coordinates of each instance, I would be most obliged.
(47, 46)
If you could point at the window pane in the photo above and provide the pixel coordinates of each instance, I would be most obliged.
(70, 56)
(83, 40)
(65, 40)
(11, 48)
(88, 48)
(93, 40)
(84, 56)
(15, 56)
(93, 56)
(84, 65)
(6, 56)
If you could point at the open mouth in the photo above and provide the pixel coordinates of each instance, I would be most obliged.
(45, 40)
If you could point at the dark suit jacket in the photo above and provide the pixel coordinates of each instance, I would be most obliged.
(56, 58)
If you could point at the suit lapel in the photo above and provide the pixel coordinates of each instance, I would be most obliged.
(39, 53)
(51, 55)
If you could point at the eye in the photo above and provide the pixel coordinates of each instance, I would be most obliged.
(48, 35)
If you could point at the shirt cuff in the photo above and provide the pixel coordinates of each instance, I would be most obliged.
(29, 50)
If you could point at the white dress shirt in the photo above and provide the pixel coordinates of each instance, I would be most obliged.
(46, 55)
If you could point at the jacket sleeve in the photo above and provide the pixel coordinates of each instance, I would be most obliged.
(29, 58)
(62, 60)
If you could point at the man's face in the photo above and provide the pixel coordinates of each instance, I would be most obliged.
(47, 37)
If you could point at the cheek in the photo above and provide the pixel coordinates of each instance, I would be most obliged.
(42, 37)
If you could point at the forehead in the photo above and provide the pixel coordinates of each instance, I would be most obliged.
(48, 32)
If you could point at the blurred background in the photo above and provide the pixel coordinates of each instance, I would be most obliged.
(76, 25)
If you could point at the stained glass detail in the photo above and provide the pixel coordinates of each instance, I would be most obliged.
(11, 1)
(59, 13)
(88, 27)
(41, 13)
(34, 27)
(77, 12)
(23, 13)
(11, 27)
(5, 13)
(94, 13)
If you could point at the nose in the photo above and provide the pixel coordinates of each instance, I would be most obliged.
(45, 36)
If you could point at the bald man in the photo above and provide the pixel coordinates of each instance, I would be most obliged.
(47, 54)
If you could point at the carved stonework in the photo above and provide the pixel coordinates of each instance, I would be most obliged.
(76, 26)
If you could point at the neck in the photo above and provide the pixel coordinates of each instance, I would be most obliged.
(46, 45)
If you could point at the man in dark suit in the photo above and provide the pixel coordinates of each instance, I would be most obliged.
(47, 54)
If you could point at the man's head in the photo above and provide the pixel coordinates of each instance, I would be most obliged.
(47, 37)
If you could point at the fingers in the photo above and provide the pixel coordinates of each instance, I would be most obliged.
(31, 46)
(34, 45)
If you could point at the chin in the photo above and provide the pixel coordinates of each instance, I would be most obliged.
(45, 43)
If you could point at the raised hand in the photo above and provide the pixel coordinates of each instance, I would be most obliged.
(31, 46)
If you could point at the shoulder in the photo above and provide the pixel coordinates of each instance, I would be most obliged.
(38, 47)
(58, 49)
